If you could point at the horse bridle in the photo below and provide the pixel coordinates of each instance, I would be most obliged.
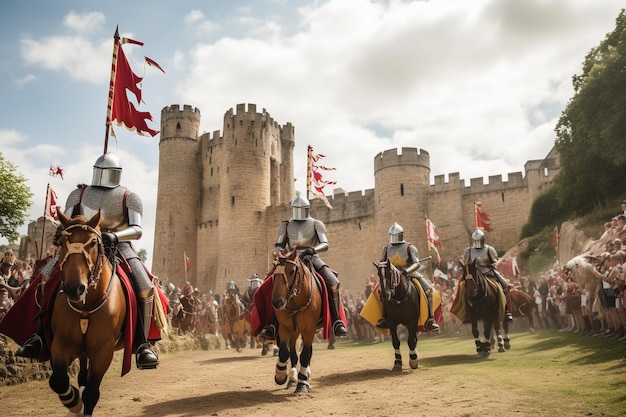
(95, 270)
(293, 288)
(394, 279)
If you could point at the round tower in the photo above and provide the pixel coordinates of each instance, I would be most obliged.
(251, 142)
(401, 181)
(177, 196)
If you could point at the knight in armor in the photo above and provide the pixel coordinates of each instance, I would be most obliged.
(248, 297)
(486, 258)
(403, 255)
(232, 288)
(307, 235)
(121, 211)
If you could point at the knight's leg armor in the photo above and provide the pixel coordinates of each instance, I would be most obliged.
(145, 356)
(270, 330)
(505, 287)
(431, 324)
(334, 303)
(34, 344)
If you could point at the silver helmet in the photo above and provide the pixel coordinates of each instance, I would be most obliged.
(107, 171)
(396, 234)
(478, 239)
(254, 282)
(300, 208)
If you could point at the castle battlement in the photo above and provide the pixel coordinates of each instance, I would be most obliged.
(264, 118)
(408, 156)
(175, 108)
(454, 182)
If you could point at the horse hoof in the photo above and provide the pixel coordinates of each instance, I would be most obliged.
(501, 349)
(302, 389)
(507, 345)
(280, 381)
(413, 364)
(397, 367)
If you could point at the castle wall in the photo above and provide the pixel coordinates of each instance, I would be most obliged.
(238, 185)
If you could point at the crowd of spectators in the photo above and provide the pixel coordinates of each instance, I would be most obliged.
(15, 276)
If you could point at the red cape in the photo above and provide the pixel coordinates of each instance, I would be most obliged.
(20, 322)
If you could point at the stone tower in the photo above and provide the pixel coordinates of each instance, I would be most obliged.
(214, 193)
(401, 183)
(177, 197)
(255, 172)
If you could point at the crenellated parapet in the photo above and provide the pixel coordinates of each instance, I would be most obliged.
(408, 156)
(478, 185)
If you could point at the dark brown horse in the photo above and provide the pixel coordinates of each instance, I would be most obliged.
(88, 314)
(297, 302)
(401, 304)
(184, 317)
(236, 326)
(483, 304)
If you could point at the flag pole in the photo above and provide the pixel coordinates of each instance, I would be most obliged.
(308, 172)
(116, 43)
(43, 229)
(185, 264)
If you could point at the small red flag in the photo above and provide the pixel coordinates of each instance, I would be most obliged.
(56, 170)
(51, 205)
(315, 182)
(482, 217)
(187, 263)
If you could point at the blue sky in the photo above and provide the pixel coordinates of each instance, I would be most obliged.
(478, 84)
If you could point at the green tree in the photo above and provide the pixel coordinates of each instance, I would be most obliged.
(591, 129)
(15, 200)
(143, 255)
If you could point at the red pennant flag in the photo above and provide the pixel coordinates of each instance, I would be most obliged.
(187, 263)
(125, 81)
(433, 239)
(51, 205)
(555, 238)
(315, 181)
(56, 170)
(482, 217)
(153, 63)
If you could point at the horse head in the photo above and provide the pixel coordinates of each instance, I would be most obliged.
(472, 276)
(286, 283)
(390, 279)
(81, 255)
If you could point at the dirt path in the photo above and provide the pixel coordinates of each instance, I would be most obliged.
(352, 380)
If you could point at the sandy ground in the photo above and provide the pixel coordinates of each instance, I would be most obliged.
(351, 380)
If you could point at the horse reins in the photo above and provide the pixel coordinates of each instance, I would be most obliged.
(294, 288)
(95, 271)
(394, 280)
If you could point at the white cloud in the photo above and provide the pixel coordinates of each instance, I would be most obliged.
(76, 56)
(84, 22)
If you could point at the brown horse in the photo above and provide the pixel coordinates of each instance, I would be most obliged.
(481, 298)
(184, 319)
(88, 315)
(297, 302)
(236, 327)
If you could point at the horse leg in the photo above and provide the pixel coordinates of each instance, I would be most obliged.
(60, 383)
(507, 339)
(280, 377)
(304, 372)
(496, 330)
(476, 334)
(293, 358)
(412, 342)
(395, 341)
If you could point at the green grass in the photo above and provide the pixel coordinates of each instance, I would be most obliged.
(546, 373)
